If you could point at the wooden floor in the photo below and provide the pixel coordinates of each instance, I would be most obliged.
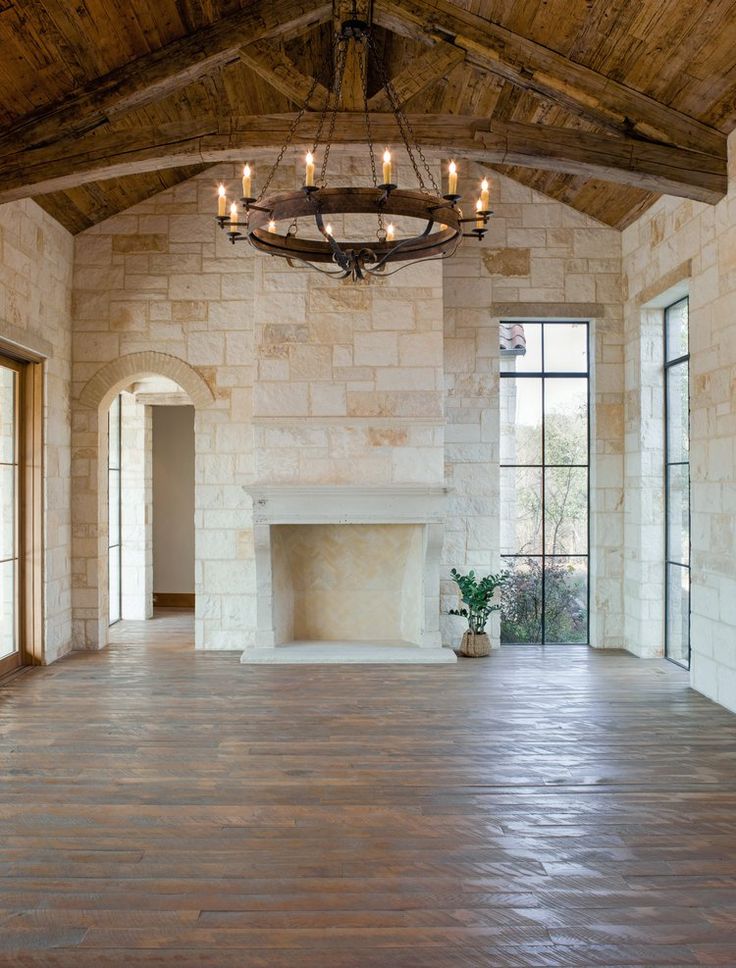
(552, 807)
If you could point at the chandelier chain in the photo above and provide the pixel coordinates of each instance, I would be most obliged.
(339, 78)
(289, 137)
(405, 128)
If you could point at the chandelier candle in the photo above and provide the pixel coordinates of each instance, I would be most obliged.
(247, 186)
(309, 173)
(387, 167)
(390, 233)
(485, 195)
(221, 202)
(452, 179)
(479, 219)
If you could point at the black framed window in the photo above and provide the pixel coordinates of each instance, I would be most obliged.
(544, 457)
(114, 497)
(10, 556)
(677, 482)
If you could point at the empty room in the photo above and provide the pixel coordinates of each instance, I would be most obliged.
(367, 483)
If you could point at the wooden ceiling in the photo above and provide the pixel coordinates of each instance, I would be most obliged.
(597, 103)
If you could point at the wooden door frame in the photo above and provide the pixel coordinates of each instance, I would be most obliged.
(29, 401)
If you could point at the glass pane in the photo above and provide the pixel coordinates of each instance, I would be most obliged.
(7, 511)
(521, 421)
(566, 421)
(566, 511)
(114, 575)
(521, 511)
(531, 360)
(565, 347)
(114, 507)
(678, 514)
(678, 613)
(566, 600)
(7, 415)
(521, 601)
(8, 619)
(678, 443)
(114, 434)
(676, 326)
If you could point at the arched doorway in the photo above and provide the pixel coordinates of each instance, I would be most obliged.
(141, 372)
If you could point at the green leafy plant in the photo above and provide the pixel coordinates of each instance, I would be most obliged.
(477, 596)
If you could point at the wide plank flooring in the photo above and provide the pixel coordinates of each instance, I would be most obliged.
(542, 807)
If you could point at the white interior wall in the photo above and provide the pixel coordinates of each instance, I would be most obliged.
(173, 500)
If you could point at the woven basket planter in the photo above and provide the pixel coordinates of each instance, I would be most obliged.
(474, 645)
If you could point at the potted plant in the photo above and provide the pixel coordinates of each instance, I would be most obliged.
(477, 597)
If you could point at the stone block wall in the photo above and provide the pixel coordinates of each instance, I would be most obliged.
(687, 246)
(35, 315)
(317, 381)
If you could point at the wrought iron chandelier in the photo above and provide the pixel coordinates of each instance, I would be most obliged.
(315, 202)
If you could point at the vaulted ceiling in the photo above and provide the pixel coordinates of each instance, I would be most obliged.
(601, 104)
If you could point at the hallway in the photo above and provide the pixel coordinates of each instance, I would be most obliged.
(543, 807)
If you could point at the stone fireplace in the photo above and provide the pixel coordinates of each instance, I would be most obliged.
(348, 574)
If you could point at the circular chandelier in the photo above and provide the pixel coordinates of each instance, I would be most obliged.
(274, 222)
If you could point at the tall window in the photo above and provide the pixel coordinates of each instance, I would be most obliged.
(544, 483)
(677, 483)
(10, 649)
(114, 498)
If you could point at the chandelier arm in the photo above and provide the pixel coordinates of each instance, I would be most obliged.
(405, 265)
(340, 257)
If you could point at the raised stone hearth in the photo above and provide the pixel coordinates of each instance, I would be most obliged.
(348, 574)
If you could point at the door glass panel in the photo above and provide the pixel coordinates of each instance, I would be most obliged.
(521, 510)
(566, 599)
(566, 421)
(7, 511)
(521, 601)
(678, 613)
(113, 511)
(531, 360)
(521, 421)
(8, 617)
(566, 510)
(678, 514)
(566, 348)
(676, 330)
(7, 415)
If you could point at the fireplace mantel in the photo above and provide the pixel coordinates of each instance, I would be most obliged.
(347, 504)
(276, 505)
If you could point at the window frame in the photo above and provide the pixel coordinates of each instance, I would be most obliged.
(668, 366)
(28, 499)
(543, 374)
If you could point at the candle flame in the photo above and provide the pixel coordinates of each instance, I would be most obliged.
(453, 168)
(310, 158)
(387, 156)
(328, 229)
(221, 191)
(484, 185)
(246, 171)
(233, 210)
(479, 206)
(272, 226)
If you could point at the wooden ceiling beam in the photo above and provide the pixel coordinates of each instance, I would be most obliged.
(529, 65)
(353, 84)
(436, 62)
(628, 161)
(280, 71)
(156, 75)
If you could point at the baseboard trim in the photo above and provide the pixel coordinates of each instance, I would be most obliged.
(173, 599)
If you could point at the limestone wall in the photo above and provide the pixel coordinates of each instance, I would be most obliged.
(317, 381)
(681, 246)
(35, 314)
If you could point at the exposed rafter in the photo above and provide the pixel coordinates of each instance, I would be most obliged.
(355, 55)
(434, 63)
(628, 161)
(153, 76)
(278, 70)
(534, 67)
